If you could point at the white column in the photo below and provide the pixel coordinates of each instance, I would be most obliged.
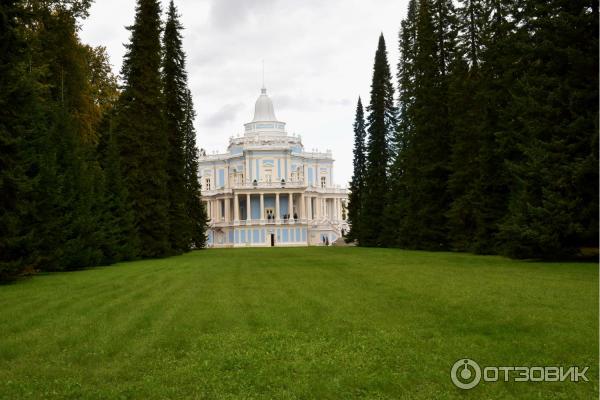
(320, 200)
(277, 217)
(291, 207)
(247, 171)
(310, 208)
(236, 208)
(302, 206)
(248, 208)
(227, 209)
(262, 206)
(332, 208)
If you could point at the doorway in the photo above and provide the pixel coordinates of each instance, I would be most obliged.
(272, 239)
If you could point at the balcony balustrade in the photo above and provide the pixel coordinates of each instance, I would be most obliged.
(281, 221)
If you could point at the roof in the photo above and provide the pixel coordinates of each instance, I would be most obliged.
(263, 109)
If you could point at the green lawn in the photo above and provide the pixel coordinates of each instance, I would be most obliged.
(322, 323)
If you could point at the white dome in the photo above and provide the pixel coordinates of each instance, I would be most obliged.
(263, 109)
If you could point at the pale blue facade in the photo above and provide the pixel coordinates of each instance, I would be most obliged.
(266, 190)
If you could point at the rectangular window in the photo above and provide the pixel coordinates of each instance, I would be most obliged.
(323, 181)
(221, 178)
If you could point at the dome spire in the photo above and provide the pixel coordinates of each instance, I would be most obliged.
(263, 76)
(263, 109)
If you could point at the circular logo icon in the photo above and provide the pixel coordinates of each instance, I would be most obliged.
(465, 373)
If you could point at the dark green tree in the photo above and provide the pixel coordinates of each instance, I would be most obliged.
(464, 179)
(65, 221)
(141, 133)
(553, 209)
(175, 91)
(465, 113)
(120, 241)
(479, 92)
(20, 117)
(197, 220)
(381, 125)
(395, 211)
(425, 160)
(498, 71)
(445, 26)
(357, 184)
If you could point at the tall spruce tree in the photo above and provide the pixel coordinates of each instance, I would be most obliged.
(465, 113)
(554, 113)
(445, 26)
(395, 209)
(357, 184)
(463, 182)
(20, 116)
(479, 92)
(141, 133)
(406, 75)
(66, 219)
(197, 220)
(381, 125)
(175, 92)
(426, 157)
(499, 58)
(120, 240)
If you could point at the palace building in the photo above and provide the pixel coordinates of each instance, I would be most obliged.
(266, 190)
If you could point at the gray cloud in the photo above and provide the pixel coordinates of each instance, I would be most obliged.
(226, 113)
(226, 14)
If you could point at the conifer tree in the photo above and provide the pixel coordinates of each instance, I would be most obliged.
(426, 158)
(120, 241)
(496, 74)
(445, 26)
(465, 113)
(175, 88)
(406, 75)
(554, 205)
(381, 125)
(197, 220)
(141, 133)
(66, 217)
(357, 184)
(395, 209)
(464, 180)
(20, 115)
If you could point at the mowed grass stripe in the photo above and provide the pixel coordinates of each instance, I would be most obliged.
(296, 323)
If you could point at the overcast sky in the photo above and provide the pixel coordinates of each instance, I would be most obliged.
(318, 58)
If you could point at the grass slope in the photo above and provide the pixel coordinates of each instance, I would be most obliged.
(305, 323)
